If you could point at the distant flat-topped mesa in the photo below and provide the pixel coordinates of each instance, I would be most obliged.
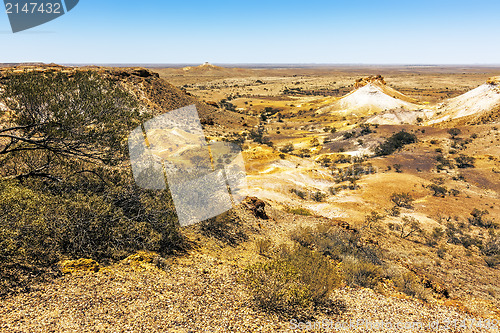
(203, 68)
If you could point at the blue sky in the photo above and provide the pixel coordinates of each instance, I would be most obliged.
(239, 31)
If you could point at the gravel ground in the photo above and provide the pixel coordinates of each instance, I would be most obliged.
(195, 294)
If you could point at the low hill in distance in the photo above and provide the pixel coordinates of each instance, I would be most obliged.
(479, 105)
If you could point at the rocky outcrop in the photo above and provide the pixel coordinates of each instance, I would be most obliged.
(257, 207)
(369, 79)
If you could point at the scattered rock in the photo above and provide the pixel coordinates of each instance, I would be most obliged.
(143, 260)
(212, 103)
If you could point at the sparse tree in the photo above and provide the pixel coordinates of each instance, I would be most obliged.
(409, 226)
(403, 200)
(57, 115)
(373, 218)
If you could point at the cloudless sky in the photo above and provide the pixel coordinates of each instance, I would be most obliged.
(257, 31)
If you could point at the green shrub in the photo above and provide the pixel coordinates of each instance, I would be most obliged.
(38, 228)
(299, 211)
(395, 142)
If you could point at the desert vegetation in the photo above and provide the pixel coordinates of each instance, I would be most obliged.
(356, 203)
(64, 193)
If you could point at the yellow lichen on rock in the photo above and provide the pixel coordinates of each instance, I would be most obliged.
(72, 266)
(144, 260)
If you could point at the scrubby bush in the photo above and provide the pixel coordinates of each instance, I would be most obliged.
(361, 273)
(443, 162)
(325, 161)
(407, 227)
(439, 191)
(403, 200)
(373, 218)
(225, 227)
(258, 136)
(395, 142)
(441, 252)
(318, 196)
(361, 265)
(292, 284)
(336, 243)
(478, 219)
(492, 261)
(38, 228)
(491, 250)
(454, 132)
(464, 161)
(394, 211)
(288, 148)
(411, 285)
(457, 236)
(301, 194)
(435, 236)
(263, 245)
(315, 142)
(304, 153)
(365, 129)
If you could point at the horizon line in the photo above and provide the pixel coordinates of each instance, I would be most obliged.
(250, 65)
